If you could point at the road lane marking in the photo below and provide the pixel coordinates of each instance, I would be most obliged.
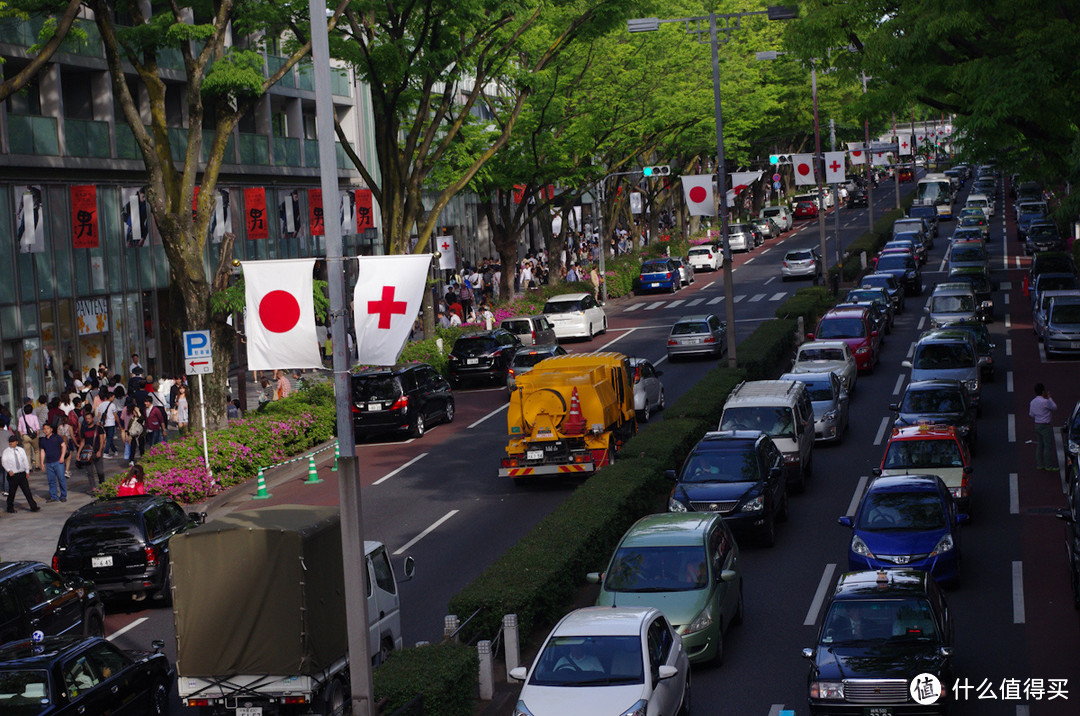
(125, 629)
(944, 260)
(1060, 452)
(654, 306)
(633, 307)
(434, 526)
(1017, 262)
(616, 338)
(1008, 322)
(1009, 382)
(757, 297)
(738, 298)
(778, 296)
(922, 322)
(1005, 285)
(395, 471)
(775, 709)
(881, 430)
(899, 384)
(769, 281)
(496, 411)
(1012, 427)
(706, 286)
(695, 302)
(1005, 298)
(1008, 346)
(854, 504)
(1018, 592)
(677, 302)
(658, 362)
(819, 595)
(396, 442)
(1014, 493)
(911, 350)
(714, 301)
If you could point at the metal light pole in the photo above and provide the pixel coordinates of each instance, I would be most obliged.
(836, 203)
(869, 167)
(694, 26)
(819, 169)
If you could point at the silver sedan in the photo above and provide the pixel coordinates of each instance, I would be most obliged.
(648, 390)
(830, 402)
(697, 335)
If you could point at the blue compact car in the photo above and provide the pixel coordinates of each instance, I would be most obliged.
(659, 275)
(906, 521)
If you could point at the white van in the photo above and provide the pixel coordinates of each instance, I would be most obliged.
(782, 410)
(780, 215)
(980, 201)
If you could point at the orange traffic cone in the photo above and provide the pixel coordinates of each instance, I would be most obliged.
(575, 422)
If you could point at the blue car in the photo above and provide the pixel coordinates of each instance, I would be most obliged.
(906, 521)
(659, 275)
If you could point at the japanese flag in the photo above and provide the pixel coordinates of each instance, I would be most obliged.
(905, 143)
(447, 252)
(835, 170)
(280, 318)
(386, 301)
(698, 191)
(856, 152)
(804, 169)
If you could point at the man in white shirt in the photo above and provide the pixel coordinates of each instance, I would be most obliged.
(16, 465)
(106, 415)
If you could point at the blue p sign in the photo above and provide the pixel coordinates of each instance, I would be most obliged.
(196, 344)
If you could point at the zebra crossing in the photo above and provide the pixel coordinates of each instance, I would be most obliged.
(749, 298)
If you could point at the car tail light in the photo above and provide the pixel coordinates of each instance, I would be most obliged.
(710, 339)
(637, 374)
(151, 555)
(534, 337)
(710, 256)
(510, 462)
(667, 275)
(785, 263)
(299, 699)
(195, 703)
(56, 562)
(672, 342)
(510, 371)
(401, 403)
(355, 409)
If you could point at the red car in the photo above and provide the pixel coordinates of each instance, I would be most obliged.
(805, 210)
(907, 174)
(851, 324)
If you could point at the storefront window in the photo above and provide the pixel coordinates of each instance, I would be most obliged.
(134, 332)
(7, 287)
(31, 367)
(118, 325)
(25, 263)
(67, 335)
(92, 324)
(50, 365)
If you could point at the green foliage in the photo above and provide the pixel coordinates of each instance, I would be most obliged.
(233, 299)
(810, 302)
(767, 352)
(181, 32)
(444, 673)
(238, 73)
(706, 400)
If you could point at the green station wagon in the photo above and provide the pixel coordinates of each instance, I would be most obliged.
(687, 566)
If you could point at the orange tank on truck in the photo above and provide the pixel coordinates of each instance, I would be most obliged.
(569, 415)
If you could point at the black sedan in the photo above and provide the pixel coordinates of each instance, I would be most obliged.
(938, 402)
(856, 197)
(404, 398)
(82, 675)
(484, 356)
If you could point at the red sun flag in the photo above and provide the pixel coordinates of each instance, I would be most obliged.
(698, 193)
(279, 321)
(804, 169)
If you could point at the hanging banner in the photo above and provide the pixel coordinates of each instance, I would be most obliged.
(519, 193)
(364, 218)
(133, 204)
(635, 202)
(289, 214)
(84, 217)
(315, 212)
(348, 210)
(221, 221)
(255, 206)
(28, 219)
(92, 315)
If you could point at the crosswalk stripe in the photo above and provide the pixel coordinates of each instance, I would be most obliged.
(654, 306)
(633, 307)
(716, 300)
(695, 302)
(676, 302)
(778, 296)
(758, 297)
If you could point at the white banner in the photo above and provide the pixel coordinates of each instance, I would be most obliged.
(386, 301)
(280, 318)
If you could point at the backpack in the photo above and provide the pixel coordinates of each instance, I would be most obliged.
(26, 428)
(136, 428)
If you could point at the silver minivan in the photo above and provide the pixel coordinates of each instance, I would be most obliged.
(531, 330)
(781, 409)
(948, 353)
(951, 302)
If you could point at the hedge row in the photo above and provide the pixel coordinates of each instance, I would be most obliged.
(770, 347)
(872, 241)
(810, 302)
(444, 673)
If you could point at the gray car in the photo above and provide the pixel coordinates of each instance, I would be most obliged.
(801, 263)
(1040, 310)
(686, 271)
(703, 334)
(526, 358)
(531, 330)
(1062, 332)
(741, 237)
(830, 402)
(648, 390)
(948, 353)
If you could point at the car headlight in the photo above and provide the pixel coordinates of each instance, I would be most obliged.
(755, 505)
(674, 505)
(944, 545)
(833, 690)
(637, 709)
(831, 416)
(859, 547)
(700, 623)
(1074, 447)
(862, 350)
(522, 710)
(972, 385)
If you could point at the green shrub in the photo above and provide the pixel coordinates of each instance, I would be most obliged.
(669, 441)
(706, 400)
(444, 673)
(767, 351)
(810, 302)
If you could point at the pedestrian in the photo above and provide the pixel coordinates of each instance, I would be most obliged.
(66, 431)
(284, 388)
(266, 392)
(17, 466)
(29, 428)
(1041, 411)
(133, 484)
(91, 444)
(182, 410)
(155, 423)
(232, 410)
(134, 431)
(41, 410)
(106, 413)
(53, 457)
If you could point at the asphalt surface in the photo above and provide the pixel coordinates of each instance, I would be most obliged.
(438, 499)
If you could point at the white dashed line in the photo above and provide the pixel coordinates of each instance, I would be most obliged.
(778, 296)
(1005, 285)
(1014, 494)
(676, 302)
(1018, 592)
(775, 709)
(899, 384)
(695, 302)
(1008, 322)
(854, 504)
(434, 526)
(1008, 346)
(738, 298)
(126, 628)
(633, 307)
(1005, 299)
(654, 306)
(881, 430)
(922, 322)
(416, 459)
(714, 301)
(1009, 382)
(819, 595)
(706, 286)
(1012, 427)
(748, 260)
(911, 350)
(769, 281)
(757, 297)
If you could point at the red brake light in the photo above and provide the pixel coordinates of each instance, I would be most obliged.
(198, 702)
(401, 403)
(667, 275)
(56, 563)
(510, 371)
(151, 555)
(672, 342)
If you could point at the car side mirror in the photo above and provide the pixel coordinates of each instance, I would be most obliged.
(905, 364)
(728, 575)
(895, 407)
(946, 651)
(968, 470)
(808, 653)
(594, 577)
(669, 474)
(876, 472)
(775, 472)
(666, 672)
(809, 336)
(1065, 515)
(845, 521)
(875, 334)
(518, 673)
(158, 645)
(962, 517)
(926, 309)
(409, 568)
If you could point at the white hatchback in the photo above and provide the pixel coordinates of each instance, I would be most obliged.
(575, 315)
(780, 215)
(705, 258)
(607, 660)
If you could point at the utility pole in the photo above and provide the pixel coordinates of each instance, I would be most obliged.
(836, 203)
(869, 168)
(819, 170)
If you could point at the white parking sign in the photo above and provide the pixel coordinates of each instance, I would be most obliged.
(198, 356)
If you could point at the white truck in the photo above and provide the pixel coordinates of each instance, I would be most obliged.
(259, 608)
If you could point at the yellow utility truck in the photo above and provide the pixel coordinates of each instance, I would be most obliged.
(569, 414)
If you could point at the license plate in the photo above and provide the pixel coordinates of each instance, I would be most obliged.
(472, 361)
(249, 711)
(534, 454)
(101, 562)
(877, 711)
(654, 285)
(693, 341)
(374, 406)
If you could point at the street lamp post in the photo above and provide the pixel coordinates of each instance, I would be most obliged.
(819, 169)
(694, 26)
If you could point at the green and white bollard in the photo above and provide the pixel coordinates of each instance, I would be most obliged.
(261, 493)
(337, 455)
(312, 473)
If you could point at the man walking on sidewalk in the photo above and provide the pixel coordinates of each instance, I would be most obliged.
(17, 465)
(53, 457)
(1041, 411)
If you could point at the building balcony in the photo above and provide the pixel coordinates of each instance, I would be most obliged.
(28, 134)
(273, 64)
(254, 149)
(87, 138)
(287, 152)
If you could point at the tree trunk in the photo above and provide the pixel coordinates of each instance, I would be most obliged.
(505, 244)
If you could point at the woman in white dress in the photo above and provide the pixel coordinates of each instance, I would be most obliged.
(182, 410)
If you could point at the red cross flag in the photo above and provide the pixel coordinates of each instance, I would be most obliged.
(804, 169)
(698, 191)
(835, 170)
(905, 143)
(386, 301)
(280, 318)
(447, 252)
(856, 152)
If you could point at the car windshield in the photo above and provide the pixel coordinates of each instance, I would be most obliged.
(101, 531)
(518, 327)
(701, 251)
(775, 422)
(1066, 314)
(982, 336)
(529, 359)
(856, 295)
(978, 203)
(658, 569)
(952, 304)
(589, 661)
(798, 256)
(824, 354)
(877, 282)
(854, 620)
(805, 205)
(979, 282)
(943, 356)
(685, 328)
(721, 466)
(655, 267)
(375, 388)
(967, 253)
(923, 454)
(564, 306)
(967, 233)
(474, 346)
(772, 211)
(1056, 283)
(938, 400)
(1041, 230)
(841, 328)
(820, 391)
(896, 262)
(886, 511)
(972, 220)
(24, 692)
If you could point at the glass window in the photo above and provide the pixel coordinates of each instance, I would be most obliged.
(28, 590)
(574, 660)
(107, 660)
(79, 677)
(25, 266)
(773, 421)
(51, 584)
(879, 620)
(384, 574)
(156, 522)
(722, 466)
(923, 454)
(657, 569)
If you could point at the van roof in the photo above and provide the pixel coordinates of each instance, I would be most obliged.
(764, 392)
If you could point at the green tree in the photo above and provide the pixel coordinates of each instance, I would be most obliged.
(60, 20)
